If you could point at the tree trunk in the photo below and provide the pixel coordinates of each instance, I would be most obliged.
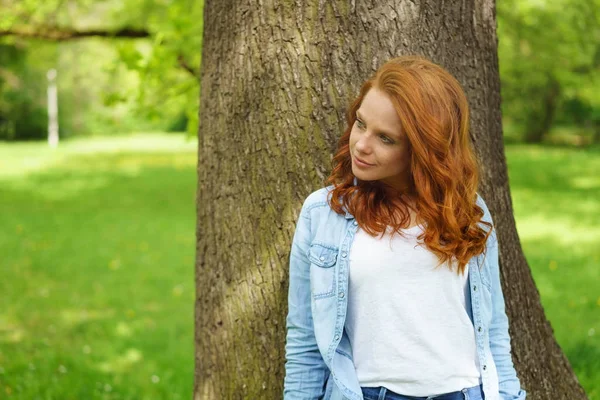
(540, 122)
(276, 80)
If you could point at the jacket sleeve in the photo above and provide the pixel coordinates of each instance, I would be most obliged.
(305, 370)
(510, 387)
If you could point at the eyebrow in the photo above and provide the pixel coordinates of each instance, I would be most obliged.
(395, 137)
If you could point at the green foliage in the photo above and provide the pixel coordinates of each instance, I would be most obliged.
(549, 54)
(169, 67)
(22, 95)
(96, 92)
(116, 85)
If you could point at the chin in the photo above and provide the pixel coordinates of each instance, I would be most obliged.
(361, 175)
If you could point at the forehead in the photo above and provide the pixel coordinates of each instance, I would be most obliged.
(378, 111)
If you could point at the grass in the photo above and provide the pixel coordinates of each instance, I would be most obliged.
(97, 245)
(97, 285)
(556, 198)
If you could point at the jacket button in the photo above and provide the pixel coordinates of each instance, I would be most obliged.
(322, 258)
(355, 223)
(341, 295)
(337, 337)
(344, 254)
(474, 288)
(484, 367)
(479, 329)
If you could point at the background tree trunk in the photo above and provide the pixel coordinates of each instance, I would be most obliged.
(276, 80)
(541, 119)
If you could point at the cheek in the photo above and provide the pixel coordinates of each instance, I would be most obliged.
(352, 139)
(397, 158)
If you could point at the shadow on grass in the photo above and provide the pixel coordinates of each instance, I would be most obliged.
(98, 256)
(82, 175)
(585, 360)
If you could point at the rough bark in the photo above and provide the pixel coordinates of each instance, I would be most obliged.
(276, 80)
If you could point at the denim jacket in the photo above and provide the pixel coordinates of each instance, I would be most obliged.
(318, 353)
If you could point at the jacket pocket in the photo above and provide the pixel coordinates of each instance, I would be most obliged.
(322, 274)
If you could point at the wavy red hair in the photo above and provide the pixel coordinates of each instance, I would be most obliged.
(444, 173)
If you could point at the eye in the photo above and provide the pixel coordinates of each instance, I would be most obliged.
(360, 124)
(386, 139)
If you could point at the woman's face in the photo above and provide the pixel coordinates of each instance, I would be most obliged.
(378, 146)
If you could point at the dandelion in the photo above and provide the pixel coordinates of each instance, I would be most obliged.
(155, 379)
(87, 349)
(591, 332)
(107, 388)
(31, 367)
(62, 369)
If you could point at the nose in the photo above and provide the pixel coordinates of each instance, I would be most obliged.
(362, 145)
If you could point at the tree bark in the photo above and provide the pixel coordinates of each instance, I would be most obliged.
(276, 80)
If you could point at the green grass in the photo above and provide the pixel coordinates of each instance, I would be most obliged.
(97, 244)
(556, 198)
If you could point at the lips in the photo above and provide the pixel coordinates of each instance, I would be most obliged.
(363, 161)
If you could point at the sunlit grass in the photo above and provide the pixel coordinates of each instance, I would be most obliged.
(21, 159)
(97, 239)
(556, 197)
(97, 245)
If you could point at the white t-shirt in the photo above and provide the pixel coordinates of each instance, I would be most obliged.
(407, 322)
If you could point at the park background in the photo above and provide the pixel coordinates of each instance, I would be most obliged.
(97, 235)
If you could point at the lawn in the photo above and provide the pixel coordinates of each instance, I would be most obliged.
(556, 198)
(97, 243)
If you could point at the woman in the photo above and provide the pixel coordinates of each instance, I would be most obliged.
(394, 286)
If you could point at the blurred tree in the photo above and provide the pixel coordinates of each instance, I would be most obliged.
(549, 61)
(166, 63)
(170, 67)
(22, 95)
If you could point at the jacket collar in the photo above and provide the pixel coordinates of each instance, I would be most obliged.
(347, 215)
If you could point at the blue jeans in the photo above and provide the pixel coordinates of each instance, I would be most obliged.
(381, 393)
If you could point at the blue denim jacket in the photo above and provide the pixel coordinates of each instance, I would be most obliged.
(318, 353)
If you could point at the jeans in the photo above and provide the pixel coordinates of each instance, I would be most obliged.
(381, 393)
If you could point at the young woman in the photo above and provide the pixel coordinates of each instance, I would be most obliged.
(394, 286)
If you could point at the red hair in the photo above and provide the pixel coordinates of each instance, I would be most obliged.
(444, 174)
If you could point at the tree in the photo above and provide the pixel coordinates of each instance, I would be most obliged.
(276, 81)
(158, 40)
(549, 58)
